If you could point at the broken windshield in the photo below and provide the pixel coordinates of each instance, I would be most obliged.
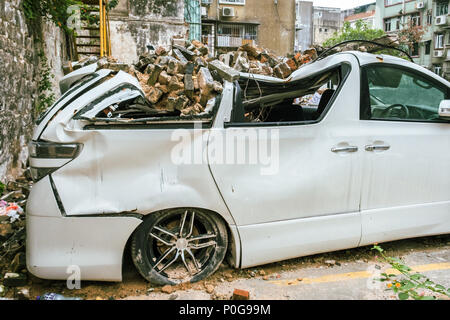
(298, 101)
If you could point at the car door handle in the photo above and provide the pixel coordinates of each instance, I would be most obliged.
(345, 149)
(377, 147)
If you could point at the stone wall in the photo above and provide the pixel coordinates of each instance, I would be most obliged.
(138, 23)
(19, 74)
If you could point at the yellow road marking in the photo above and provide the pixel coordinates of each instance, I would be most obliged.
(358, 275)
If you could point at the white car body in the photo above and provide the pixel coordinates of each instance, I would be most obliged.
(84, 213)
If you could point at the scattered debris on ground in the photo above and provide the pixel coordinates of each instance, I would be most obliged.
(12, 236)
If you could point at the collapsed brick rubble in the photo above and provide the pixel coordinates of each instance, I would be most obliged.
(184, 80)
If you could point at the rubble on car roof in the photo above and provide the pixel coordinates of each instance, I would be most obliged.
(182, 80)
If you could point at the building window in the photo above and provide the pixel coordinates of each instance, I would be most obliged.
(414, 50)
(415, 19)
(387, 25)
(428, 47)
(439, 41)
(240, 2)
(437, 69)
(441, 8)
(392, 2)
(397, 24)
(429, 17)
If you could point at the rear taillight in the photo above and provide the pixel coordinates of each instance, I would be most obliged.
(46, 157)
(49, 150)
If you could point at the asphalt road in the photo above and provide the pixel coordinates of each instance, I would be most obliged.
(350, 276)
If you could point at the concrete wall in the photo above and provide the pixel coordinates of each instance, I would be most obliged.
(276, 30)
(138, 23)
(19, 74)
(304, 35)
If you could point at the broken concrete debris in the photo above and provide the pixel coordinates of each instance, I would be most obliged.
(167, 289)
(182, 80)
(239, 294)
(224, 71)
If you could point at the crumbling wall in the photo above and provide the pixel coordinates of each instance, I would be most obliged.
(54, 46)
(19, 71)
(138, 23)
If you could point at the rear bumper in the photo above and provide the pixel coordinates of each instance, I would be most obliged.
(94, 244)
(55, 242)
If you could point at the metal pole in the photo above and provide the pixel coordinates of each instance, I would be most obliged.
(403, 12)
(102, 47)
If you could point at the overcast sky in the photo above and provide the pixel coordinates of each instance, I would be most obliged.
(343, 4)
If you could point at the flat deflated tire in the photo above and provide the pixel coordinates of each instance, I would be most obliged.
(179, 245)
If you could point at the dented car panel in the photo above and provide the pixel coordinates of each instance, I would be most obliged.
(68, 98)
(324, 191)
(70, 79)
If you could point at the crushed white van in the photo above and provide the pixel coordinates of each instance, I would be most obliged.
(254, 179)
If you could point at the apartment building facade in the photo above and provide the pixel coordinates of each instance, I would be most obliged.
(326, 22)
(228, 24)
(432, 51)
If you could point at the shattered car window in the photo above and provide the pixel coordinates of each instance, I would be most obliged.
(302, 100)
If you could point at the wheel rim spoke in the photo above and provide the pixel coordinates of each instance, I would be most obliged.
(163, 230)
(183, 220)
(184, 262)
(193, 259)
(202, 237)
(161, 240)
(170, 263)
(191, 225)
(202, 245)
(169, 251)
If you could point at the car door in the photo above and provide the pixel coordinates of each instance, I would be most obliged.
(406, 158)
(301, 195)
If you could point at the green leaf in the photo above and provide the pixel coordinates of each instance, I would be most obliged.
(403, 295)
(417, 276)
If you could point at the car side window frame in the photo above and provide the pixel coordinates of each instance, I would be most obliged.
(345, 69)
(365, 93)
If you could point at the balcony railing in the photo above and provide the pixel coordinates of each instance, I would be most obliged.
(232, 42)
